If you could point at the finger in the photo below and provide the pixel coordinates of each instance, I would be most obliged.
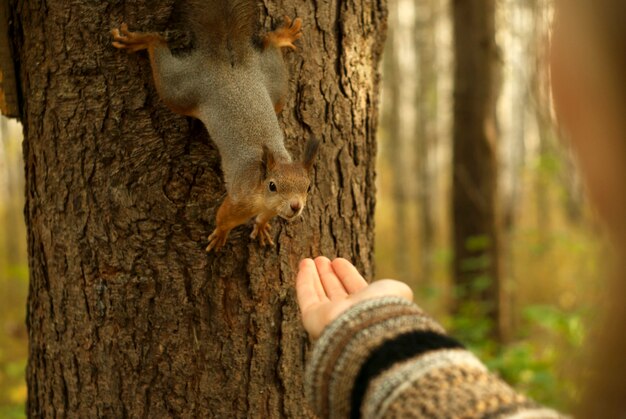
(348, 275)
(332, 285)
(306, 290)
(317, 284)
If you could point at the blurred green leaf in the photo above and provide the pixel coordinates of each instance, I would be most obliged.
(12, 411)
(478, 243)
(476, 263)
(15, 369)
(481, 283)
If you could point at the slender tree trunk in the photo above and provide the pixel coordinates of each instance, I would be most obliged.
(545, 129)
(13, 232)
(475, 216)
(127, 315)
(520, 58)
(521, 55)
(394, 75)
(426, 132)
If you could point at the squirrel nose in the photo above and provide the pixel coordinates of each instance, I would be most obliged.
(295, 206)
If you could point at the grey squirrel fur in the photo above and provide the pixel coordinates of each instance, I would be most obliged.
(235, 86)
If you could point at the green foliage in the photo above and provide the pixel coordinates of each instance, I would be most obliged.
(568, 326)
(12, 411)
(478, 243)
(477, 263)
(13, 343)
(549, 165)
(529, 364)
(472, 328)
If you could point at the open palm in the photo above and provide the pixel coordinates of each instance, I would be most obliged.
(326, 289)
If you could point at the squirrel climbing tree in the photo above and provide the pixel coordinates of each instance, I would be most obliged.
(235, 89)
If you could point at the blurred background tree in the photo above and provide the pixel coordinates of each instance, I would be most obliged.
(551, 255)
(544, 269)
(475, 208)
(13, 272)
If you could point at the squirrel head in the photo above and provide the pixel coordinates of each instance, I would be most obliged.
(285, 186)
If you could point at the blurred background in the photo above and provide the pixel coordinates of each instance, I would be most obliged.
(551, 257)
(13, 272)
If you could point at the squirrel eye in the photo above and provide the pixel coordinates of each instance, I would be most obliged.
(272, 187)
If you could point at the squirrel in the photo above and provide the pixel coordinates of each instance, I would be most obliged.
(236, 86)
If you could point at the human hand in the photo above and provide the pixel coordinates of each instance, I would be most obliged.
(326, 289)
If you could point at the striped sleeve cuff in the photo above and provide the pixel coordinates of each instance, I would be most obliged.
(346, 344)
(386, 358)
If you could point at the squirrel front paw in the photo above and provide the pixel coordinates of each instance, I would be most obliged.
(133, 41)
(286, 35)
(217, 239)
(262, 231)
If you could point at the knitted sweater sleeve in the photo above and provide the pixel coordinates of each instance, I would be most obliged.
(384, 358)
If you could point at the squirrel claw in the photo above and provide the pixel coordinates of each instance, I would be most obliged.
(284, 36)
(124, 29)
(263, 234)
(133, 41)
(217, 239)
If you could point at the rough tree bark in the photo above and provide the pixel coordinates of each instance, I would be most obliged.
(9, 101)
(475, 216)
(127, 315)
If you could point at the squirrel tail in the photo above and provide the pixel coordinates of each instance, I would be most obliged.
(223, 28)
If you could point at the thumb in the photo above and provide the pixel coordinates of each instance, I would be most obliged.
(384, 288)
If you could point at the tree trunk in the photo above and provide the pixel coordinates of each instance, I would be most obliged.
(13, 249)
(520, 54)
(540, 88)
(395, 105)
(127, 314)
(475, 216)
(426, 133)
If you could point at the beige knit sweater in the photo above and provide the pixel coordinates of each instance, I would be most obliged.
(384, 358)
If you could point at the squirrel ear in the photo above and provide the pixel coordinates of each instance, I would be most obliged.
(310, 152)
(267, 161)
